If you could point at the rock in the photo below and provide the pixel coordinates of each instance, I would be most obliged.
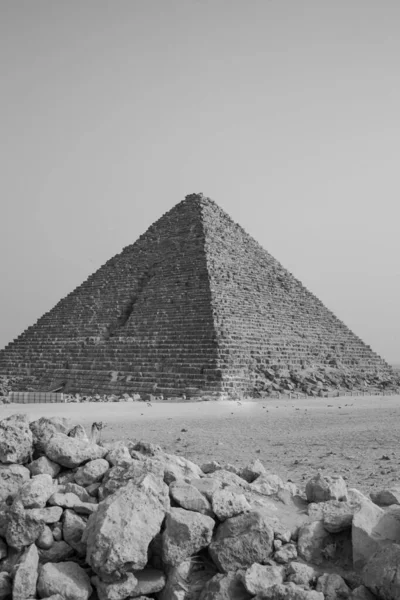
(70, 500)
(71, 452)
(118, 477)
(337, 516)
(177, 468)
(57, 532)
(45, 427)
(210, 467)
(291, 591)
(79, 433)
(5, 586)
(370, 529)
(381, 575)
(50, 514)
(362, 593)
(3, 549)
(333, 587)
(241, 541)
(35, 492)
(119, 456)
(186, 532)
(267, 484)
(91, 472)
(119, 534)
(225, 587)
(301, 574)
(321, 488)
(386, 497)
(251, 471)
(206, 486)
(228, 478)
(186, 579)
(44, 466)
(258, 579)
(12, 478)
(22, 529)
(312, 539)
(58, 552)
(45, 539)
(76, 489)
(118, 590)
(149, 581)
(287, 553)
(67, 579)
(26, 574)
(73, 528)
(189, 497)
(16, 441)
(226, 504)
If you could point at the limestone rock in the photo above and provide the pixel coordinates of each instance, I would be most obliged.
(22, 529)
(287, 553)
(251, 471)
(119, 476)
(362, 593)
(241, 541)
(58, 552)
(301, 574)
(44, 428)
(49, 514)
(118, 590)
(321, 488)
(228, 478)
(73, 528)
(210, 467)
(79, 433)
(119, 534)
(382, 573)
(337, 516)
(35, 492)
(258, 579)
(26, 574)
(12, 477)
(91, 472)
(149, 581)
(177, 468)
(226, 504)
(43, 466)
(333, 587)
(70, 500)
(5, 586)
(76, 489)
(206, 486)
(45, 539)
(291, 591)
(370, 529)
(312, 539)
(267, 484)
(71, 452)
(186, 532)
(225, 587)
(67, 579)
(386, 497)
(186, 579)
(16, 441)
(119, 456)
(189, 497)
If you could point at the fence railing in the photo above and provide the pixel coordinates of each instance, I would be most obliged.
(35, 397)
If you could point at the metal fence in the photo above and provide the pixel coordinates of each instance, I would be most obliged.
(35, 397)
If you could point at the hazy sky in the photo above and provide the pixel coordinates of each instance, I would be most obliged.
(286, 113)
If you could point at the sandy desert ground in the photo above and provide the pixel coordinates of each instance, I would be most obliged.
(356, 437)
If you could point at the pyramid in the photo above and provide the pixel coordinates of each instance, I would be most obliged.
(194, 306)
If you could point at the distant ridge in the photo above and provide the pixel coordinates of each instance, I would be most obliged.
(194, 306)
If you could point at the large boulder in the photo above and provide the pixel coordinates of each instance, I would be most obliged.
(67, 579)
(26, 574)
(119, 476)
(387, 496)
(71, 452)
(16, 440)
(186, 532)
(119, 533)
(35, 492)
(312, 540)
(241, 541)
(381, 575)
(321, 488)
(12, 478)
(43, 428)
(371, 528)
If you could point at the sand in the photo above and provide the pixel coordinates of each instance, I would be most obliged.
(356, 437)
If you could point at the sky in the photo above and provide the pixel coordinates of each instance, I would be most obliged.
(285, 112)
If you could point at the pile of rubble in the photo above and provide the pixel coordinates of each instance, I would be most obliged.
(323, 381)
(124, 520)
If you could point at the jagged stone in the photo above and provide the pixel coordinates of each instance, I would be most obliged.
(67, 579)
(12, 478)
(73, 528)
(92, 472)
(22, 529)
(79, 433)
(207, 486)
(301, 574)
(189, 497)
(333, 587)
(186, 580)
(3, 549)
(186, 532)
(251, 471)
(35, 492)
(59, 551)
(45, 427)
(321, 488)
(227, 504)
(26, 574)
(381, 575)
(287, 553)
(43, 466)
(386, 497)
(16, 441)
(49, 514)
(45, 539)
(119, 534)
(362, 593)
(78, 490)
(117, 590)
(291, 591)
(313, 538)
(225, 587)
(71, 452)
(70, 500)
(119, 476)
(5, 586)
(259, 579)
(149, 581)
(241, 541)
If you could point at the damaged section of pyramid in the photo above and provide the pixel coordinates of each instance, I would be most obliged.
(194, 306)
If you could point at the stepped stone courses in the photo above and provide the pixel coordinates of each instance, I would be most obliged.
(194, 306)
